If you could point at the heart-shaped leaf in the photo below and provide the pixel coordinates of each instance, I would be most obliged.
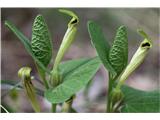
(74, 80)
(140, 101)
(118, 55)
(101, 45)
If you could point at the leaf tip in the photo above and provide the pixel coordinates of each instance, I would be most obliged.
(89, 22)
(122, 28)
(39, 17)
(93, 26)
(6, 23)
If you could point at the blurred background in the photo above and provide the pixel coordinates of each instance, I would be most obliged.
(92, 99)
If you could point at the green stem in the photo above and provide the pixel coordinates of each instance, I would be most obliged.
(45, 83)
(53, 109)
(42, 75)
(114, 94)
(110, 84)
(55, 80)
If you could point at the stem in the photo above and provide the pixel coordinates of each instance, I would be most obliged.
(53, 109)
(55, 80)
(45, 83)
(110, 83)
(42, 75)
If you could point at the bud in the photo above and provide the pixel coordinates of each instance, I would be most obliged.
(116, 95)
(55, 77)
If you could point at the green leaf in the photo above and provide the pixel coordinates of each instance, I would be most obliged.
(118, 55)
(140, 101)
(26, 43)
(101, 45)
(41, 41)
(71, 65)
(12, 83)
(73, 81)
(18, 86)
